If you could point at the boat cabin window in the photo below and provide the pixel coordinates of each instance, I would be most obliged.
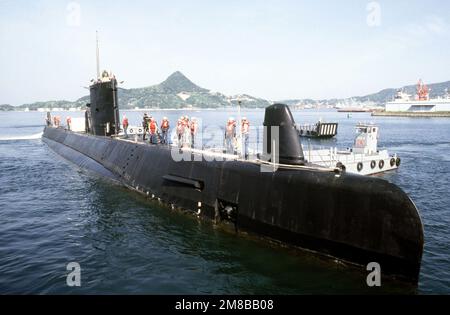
(362, 130)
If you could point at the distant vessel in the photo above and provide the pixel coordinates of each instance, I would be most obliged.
(320, 130)
(363, 158)
(421, 103)
(352, 106)
(354, 110)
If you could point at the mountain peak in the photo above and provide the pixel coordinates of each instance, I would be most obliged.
(177, 82)
(179, 75)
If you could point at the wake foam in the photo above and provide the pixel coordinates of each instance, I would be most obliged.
(27, 137)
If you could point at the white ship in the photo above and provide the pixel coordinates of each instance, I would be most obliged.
(420, 103)
(363, 158)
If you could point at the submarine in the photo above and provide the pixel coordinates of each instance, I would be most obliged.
(281, 196)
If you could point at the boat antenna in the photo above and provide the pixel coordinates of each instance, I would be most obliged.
(98, 55)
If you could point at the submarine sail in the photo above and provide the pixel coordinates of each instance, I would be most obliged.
(288, 149)
(102, 115)
(103, 106)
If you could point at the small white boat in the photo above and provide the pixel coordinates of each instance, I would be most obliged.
(319, 130)
(363, 158)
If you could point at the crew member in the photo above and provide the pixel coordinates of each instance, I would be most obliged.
(153, 130)
(87, 120)
(69, 122)
(125, 125)
(245, 129)
(145, 125)
(48, 119)
(230, 135)
(57, 121)
(186, 136)
(165, 130)
(180, 130)
(193, 128)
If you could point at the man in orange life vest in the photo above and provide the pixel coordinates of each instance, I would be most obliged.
(180, 130)
(153, 130)
(230, 135)
(193, 127)
(149, 120)
(125, 125)
(186, 136)
(164, 130)
(245, 128)
(69, 122)
(56, 121)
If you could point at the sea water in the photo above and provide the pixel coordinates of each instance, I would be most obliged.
(52, 213)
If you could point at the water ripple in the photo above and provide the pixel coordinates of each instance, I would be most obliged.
(53, 214)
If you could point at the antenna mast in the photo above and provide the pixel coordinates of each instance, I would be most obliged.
(98, 56)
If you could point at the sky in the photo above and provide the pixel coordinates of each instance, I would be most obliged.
(271, 49)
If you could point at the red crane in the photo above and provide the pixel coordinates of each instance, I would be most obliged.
(422, 91)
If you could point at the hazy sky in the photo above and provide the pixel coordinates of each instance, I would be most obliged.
(271, 49)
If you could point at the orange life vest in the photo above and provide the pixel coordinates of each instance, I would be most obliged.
(193, 128)
(180, 127)
(152, 127)
(245, 126)
(125, 122)
(230, 128)
(165, 124)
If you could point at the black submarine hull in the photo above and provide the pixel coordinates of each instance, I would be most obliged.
(354, 218)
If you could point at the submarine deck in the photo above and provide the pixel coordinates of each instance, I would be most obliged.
(218, 153)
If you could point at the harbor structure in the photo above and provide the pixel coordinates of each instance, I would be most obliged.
(421, 103)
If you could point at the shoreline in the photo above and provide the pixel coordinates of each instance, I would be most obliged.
(136, 110)
(411, 114)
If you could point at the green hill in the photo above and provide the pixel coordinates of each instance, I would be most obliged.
(380, 98)
(177, 91)
(6, 107)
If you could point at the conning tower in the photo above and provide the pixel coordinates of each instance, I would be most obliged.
(102, 115)
(284, 148)
(104, 106)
